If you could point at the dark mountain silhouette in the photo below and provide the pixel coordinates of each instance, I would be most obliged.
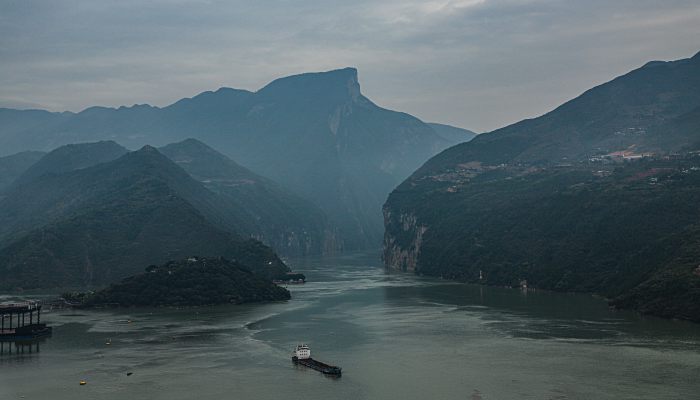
(270, 213)
(194, 281)
(637, 111)
(14, 124)
(598, 195)
(11, 167)
(72, 157)
(95, 225)
(314, 133)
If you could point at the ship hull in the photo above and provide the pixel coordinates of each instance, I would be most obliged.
(318, 366)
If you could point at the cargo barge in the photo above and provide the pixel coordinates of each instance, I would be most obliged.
(302, 355)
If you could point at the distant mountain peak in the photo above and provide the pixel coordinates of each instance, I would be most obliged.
(339, 82)
(314, 133)
(147, 149)
(654, 63)
(347, 74)
(228, 90)
(137, 107)
(145, 156)
(191, 147)
(109, 146)
(71, 157)
(194, 143)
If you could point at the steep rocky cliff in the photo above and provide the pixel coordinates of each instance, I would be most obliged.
(402, 245)
(599, 195)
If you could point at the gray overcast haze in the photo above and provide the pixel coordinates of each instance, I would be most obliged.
(478, 64)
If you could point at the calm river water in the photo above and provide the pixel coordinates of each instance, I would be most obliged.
(396, 336)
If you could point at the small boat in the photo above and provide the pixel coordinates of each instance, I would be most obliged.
(302, 355)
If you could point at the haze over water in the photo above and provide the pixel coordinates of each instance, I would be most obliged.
(396, 336)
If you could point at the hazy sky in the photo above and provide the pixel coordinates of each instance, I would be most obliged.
(479, 64)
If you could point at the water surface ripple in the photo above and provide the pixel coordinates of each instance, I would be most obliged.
(396, 336)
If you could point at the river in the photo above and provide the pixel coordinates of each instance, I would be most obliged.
(396, 336)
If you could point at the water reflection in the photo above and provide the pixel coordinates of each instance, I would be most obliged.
(19, 348)
(535, 314)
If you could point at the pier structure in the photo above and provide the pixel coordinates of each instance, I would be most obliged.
(21, 321)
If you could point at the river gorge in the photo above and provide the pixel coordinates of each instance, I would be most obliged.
(395, 335)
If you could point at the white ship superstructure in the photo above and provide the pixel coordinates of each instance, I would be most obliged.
(302, 352)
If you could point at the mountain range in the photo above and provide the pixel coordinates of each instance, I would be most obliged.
(263, 209)
(69, 158)
(12, 166)
(598, 195)
(314, 133)
(651, 109)
(93, 225)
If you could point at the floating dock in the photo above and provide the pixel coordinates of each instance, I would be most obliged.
(18, 322)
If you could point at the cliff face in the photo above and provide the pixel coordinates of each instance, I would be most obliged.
(403, 239)
(550, 200)
(290, 242)
(628, 231)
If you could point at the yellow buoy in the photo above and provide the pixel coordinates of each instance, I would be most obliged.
(82, 383)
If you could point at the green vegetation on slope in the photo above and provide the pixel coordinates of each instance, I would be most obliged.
(193, 281)
(630, 232)
(72, 157)
(266, 211)
(537, 200)
(642, 110)
(99, 224)
(11, 167)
